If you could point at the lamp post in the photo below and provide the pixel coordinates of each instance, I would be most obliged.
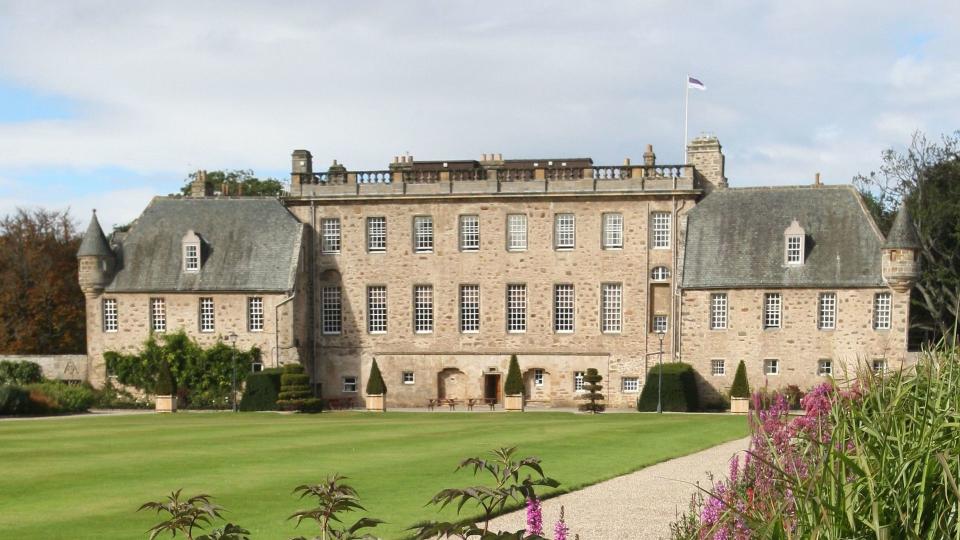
(661, 332)
(232, 339)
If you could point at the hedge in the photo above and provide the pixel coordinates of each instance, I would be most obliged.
(14, 400)
(261, 391)
(51, 397)
(679, 391)
(21, 372)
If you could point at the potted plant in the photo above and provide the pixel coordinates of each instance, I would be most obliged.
(513, 387)
(166, 401)
(740, 391)
(376, 390)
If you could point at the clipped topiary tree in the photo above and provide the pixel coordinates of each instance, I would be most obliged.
(261, 390)
(166, 389)
(294, 388)
(679, 390)
(375, 384)
(591, 383)
(740, 388)
(514, 383)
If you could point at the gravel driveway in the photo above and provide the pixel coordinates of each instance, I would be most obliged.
(636, 506)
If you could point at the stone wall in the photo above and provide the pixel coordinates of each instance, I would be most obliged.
(64, 367)
(798, 344)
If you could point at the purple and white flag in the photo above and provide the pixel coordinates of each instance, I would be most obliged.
(695, 83)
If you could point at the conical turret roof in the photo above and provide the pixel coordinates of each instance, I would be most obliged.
(902, 234)
(94, 241)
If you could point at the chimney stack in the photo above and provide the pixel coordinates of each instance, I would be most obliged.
(199, 187)
(816, 180)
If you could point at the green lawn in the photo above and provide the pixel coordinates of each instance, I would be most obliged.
(85, 477)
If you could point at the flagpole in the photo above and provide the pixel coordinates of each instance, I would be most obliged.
(686, 108)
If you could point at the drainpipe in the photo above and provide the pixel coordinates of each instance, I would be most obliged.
(276, 325)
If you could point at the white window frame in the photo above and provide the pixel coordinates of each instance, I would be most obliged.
(794, 249)
(771, 366)
(538, 377)
(565, 231)
(111, 315)
(423, 234)
(516, 308)
(882, 311)
(660, 274)
(158, 315)
(423, 309)
(377, 309)
(579, 379)
(718, 367)
(408, 377)
(630, 385)
(330, 235)
(350, 384)
(660, 230)
(207, 315)
(879, 366)
(469, 232)
(825, 367)
(469, 308)
(772, 311)
(611, 308)
(255, 313)
(331, 312)
(564, 308)
(827, 311)
(191, 257)
(376, 234)
(612, 230)
(660, 324)
(516, 232)
(718, 311)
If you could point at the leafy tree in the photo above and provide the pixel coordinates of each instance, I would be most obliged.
(740, 387)
(237, 182)
(514, 382)
(41, 304)
(593, 396)
(926, 178)
(184, 515)
(375, 384)
(333, 497)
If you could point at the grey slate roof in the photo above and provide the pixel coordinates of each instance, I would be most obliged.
(735, 239)
(94, 242)
(249, 244)
(902, 232)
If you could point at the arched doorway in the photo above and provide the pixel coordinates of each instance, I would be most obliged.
(452, 384)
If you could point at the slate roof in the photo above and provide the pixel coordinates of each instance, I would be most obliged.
(249, 244)
(94, 242)
(735, 239)
(902, 232)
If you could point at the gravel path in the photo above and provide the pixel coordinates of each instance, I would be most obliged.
(636, 506)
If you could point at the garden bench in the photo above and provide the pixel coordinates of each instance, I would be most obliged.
(431, 403)
(492, 402)
(452, 403)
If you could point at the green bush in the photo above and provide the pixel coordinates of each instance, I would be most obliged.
(294, 388)
(740, 388)
(261, 391)
(593, 396)
(313, 405)
(514, 383)
(679, 391)
(165, 383)
(14, 400)
(21, 372)
(375, 384)
(111, 397)
(56, 397)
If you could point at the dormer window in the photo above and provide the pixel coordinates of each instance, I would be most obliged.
(794, 238)
(191, 252)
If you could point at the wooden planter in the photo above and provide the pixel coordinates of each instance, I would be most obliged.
(166, 404)
(377, 402)
(739, 405)
(513, 402)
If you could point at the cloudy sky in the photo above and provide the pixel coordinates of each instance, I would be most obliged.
(105, 104)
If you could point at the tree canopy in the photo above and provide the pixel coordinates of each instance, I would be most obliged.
(41, 304)
(925, 178)
(237, 182)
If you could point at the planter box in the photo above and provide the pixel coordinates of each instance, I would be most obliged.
(739, 405)
(513, 403)
(377, 402)
(166, 404)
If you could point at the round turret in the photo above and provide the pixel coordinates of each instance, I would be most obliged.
(901, 253)
(96, 259)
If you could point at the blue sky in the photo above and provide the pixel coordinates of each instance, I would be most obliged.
(119, 101)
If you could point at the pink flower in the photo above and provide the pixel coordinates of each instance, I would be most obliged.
(534, 517)
(560, 530)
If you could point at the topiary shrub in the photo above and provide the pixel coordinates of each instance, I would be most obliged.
(514, 383)
(313, 405)
(21, 372)
(261, 391)
(14, 400)
(375, 384)
(593, 396)
(166, 386)
(294, 388)
(679, 391)
(740, 388)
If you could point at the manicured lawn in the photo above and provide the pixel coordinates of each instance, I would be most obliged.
(85, 477)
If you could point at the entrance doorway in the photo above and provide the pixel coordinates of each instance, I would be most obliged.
(491, 387)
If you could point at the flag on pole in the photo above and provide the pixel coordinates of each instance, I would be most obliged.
(695, 83)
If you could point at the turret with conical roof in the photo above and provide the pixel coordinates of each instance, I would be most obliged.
(901, 253)
(97, 261)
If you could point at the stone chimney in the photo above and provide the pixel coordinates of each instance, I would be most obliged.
(705, 154)
(301, 170)
(649, 158)
(199, 187)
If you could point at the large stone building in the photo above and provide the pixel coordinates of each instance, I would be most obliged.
(440, 270)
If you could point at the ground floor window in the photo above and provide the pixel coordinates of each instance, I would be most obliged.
(631, 384)
(771, 366)
(825, 368)
(880, 366)
(408, 377)
(350, 384)
(578, 381)
(718, 367)
(256, 367)
(538, 377)
(660, 324)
